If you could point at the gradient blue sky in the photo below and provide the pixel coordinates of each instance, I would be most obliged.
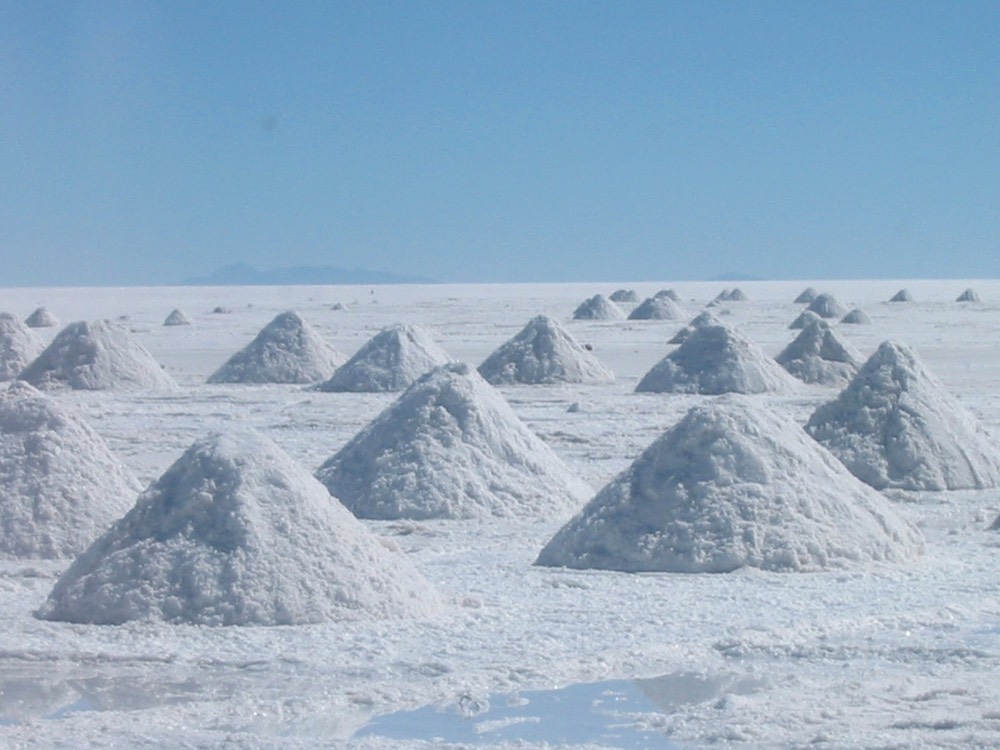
(143, 142)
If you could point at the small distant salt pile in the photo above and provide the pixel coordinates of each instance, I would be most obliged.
(819, 355)
(733, 485)
(390, 361)
(806, 317)
(543, 352)
(18, 346)
(669, 294)
(857, 316)
(96, 356)
(221, 310)
(237, 533)
(969, 295)
(287, 350)
(177, 318)
(896, 426)
(624, 295)
(60, 486)
(657, 308)
(598, 307)
(41, 318)
(704, 318)
(806, 296)
(716, 359)
(826, 306)
(903, 295)
(451, 447)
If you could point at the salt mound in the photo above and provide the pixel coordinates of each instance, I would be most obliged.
(95, 356)
(598, 307)
(177, 318)
(18, 346)
(287, 350)
(624, 295)
(543, 352)
(237, 533)
(657, 308)
(390, 361)
(969, 295)
(669, 294)
(806, 296)
(41, 318)
(716, 359)
(59, 484)
(902, 295)
(733, 485)
(826, 306)
(896, 426)
(704, 318)
(856, 316)
(451, 447)
(805, 318)
(820, 355)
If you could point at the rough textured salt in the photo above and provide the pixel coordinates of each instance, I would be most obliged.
(903, 295)
(826, 306)
(95, 356)
(18, 346)
(598, 307)
(41, 318)
(856, 316)
(624, 295)
(451, 447)
(287, 350)
(806, 296)
(657, 308)
(819, 355)
(60, 486)
(716, 359)
(390, 361)
(969, 295)
(177, 318)
(704, 318)
(543, 352)
(237, 533)
(732, 485)
(895, 425)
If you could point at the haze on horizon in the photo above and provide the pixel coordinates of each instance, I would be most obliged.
(145, 143)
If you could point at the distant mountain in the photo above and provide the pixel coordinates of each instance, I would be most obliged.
(242, 274)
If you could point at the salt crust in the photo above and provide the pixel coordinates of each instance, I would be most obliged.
(733, 485)
(598, 307)
(18, 346)
(819, 355)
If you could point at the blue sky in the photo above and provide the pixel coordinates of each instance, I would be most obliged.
(144, 142)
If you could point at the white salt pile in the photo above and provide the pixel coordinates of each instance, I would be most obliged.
(969, 295)
(806, 296)
(856, 316)
(598, 307)
(903, 295)
(819, 355)
(669, 294)
(287, 350)
(704, 318)
(805, 318)
(895, 425)
(624, 295)
(177, 318)
(733, 485)
(826, 306)
(41, 318)
(18, 346)
(390, 361)
(95, 356)
(543, 352)
(60, 486)
(237, 533)
(716, 359)
(657, 308)
(451, 447)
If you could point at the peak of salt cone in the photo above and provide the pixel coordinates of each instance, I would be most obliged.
(805, 318)
(806, 296)
(819, 355)
(733, 485)
(669, 294)
(598, 307)
(19, 345)
(903, 295)
(41, 318)
(969, 295)
(657, 308)
(826, 306)
(704, 318)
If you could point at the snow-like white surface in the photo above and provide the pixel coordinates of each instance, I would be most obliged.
(18, 346)
(60, 487)
(732, 485)
(657, 308)
(237, 533)
(598, 307)
(820, 355)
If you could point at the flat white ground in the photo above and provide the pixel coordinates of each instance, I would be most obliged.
(886, 656)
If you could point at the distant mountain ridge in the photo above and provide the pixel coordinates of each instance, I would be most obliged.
(243, 274)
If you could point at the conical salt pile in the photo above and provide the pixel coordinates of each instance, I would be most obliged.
(704, 318)
(826, 306)
(287, 350)
(733, 485)
(669, 294)
(624, 295)
(96, 356)
(598, 307)
(903, 295)
(41, 318)
(237, 533)
(451, 447)
(657, 308)
(177, 318)
(856, 316)
(806, 296)
(969, 295)
(820, 355)
(543, 352)
(390, 361)
(804, 318)
(895, 425)
(18, 346)
(716, 359)
(60, 486)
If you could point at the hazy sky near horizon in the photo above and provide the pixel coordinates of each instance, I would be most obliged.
(144, 142)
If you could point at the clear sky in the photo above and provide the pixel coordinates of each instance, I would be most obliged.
(144, 142)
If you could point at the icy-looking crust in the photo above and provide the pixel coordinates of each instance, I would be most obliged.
(41, 318)
(819, 355)
(451, 447)
(18, 346)
(390, 361)
(598, 307)
(543, 352)
(896, 426)
(806, 296)
(733, 485)
(60, 486)
(826, 306)
(96, 356)
(704, 318)
(857, 316)
(286, 350)
(237, 533)
(657, 308)
(177, 318)
(716, 359)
